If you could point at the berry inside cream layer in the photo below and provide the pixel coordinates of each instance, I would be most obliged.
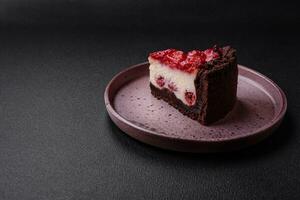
(176, 71)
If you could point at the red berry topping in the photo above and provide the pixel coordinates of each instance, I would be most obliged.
(160, 80)
(172, 86)
(190, 98)
(211, 54)
(187, 62)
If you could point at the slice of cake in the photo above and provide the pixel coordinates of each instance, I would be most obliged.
(200, 84)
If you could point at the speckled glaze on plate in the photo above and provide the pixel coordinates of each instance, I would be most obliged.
(258, 112)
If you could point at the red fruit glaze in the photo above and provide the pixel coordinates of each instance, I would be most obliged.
(160, 80)
(187, 62)
(190, 98)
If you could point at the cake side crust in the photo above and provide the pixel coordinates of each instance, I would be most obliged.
(216, 87)
(216, 91)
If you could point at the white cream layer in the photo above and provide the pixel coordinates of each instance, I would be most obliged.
(184, 81)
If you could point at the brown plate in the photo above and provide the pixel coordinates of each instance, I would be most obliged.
(260, 108)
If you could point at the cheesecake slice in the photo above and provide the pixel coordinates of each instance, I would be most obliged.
(200, 84)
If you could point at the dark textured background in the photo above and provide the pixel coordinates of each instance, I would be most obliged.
(56, 140)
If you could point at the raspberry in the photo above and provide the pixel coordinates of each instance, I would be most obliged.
(172, 87)
(160, 80)
(211, 54)
(160, 54)
(190, 98)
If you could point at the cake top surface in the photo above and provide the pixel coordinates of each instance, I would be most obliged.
(188, 62)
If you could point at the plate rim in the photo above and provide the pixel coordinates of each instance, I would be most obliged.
(271, 124)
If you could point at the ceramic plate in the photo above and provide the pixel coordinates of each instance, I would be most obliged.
(258, 112)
